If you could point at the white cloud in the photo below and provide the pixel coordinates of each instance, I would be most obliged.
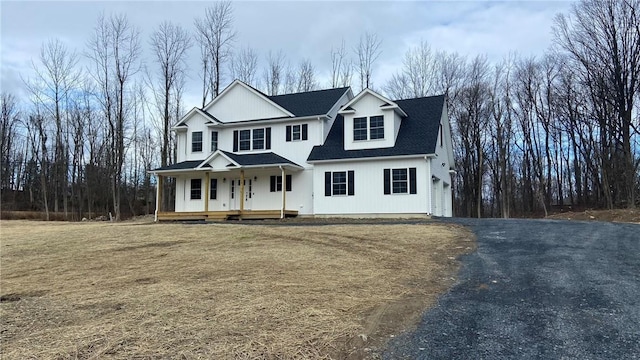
(300, 29)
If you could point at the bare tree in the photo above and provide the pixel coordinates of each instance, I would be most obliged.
(215, 35)
(245, 65)
(368, 51)
(603, 39)
(170, 44)
(274, 73)
(115, 51)
(55, 78)
(8, 136)
(418, 76)
(306, 76)
(341, 67)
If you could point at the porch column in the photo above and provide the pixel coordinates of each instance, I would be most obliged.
(206, 191)
(241, 192)
(159, 186)
(284, 192)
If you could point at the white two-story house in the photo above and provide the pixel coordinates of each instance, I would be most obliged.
(318, 153)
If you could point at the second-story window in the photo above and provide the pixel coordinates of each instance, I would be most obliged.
(297, 132)
(245, 140)
(214, 141)
(196, 141)
(256, 139)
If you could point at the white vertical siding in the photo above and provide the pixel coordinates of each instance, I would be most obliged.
(239, 103)
(369, 197)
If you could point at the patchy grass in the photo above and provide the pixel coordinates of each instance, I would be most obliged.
(616, 215)
(143, 290)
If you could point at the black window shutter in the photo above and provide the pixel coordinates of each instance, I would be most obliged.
(272, 184)
(387, 181)
(412, 181)
(288, 187)
(288, 132)
(305, 131)
(267, 138)
(235, 140)
(327, 183)
(350, 184)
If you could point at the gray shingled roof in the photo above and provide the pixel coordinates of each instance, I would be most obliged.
(192, 164)
(418, 133)
(309, 103)
(258, 159)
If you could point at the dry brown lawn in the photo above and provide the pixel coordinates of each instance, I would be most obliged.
(224, 291)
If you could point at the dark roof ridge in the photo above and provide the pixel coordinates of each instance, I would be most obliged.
(345, 88)
(421, 97)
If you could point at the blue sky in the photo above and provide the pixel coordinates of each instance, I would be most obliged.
(305, 29)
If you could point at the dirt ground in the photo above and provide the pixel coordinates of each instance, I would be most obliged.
(617, 215)
(227, 291)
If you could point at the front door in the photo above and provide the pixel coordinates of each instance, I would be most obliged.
(234, 201)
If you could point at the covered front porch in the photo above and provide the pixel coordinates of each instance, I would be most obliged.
(228, 186)
(225, 215)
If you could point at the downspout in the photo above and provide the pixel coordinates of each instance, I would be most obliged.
(284, 191)
(429, 186)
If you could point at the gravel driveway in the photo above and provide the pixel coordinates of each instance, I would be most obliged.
(537, 289)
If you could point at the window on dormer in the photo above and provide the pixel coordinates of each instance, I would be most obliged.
(371, 128)
(376, 127)
(359, 129)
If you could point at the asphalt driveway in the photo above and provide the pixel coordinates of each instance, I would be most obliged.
(537, 289)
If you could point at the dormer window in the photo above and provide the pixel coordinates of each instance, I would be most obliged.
(376, 127)
(360, 129)
(371, 128)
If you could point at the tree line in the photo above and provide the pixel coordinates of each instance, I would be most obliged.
(530, 133)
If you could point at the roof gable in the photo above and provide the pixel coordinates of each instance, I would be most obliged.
(366, 93)
(239, 102)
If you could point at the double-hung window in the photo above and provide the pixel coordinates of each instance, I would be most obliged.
(400, 181)
(359, 129)
(339, 183)
(371, 128)
(275, 184)
(214, 141)
(376, 127)
(196, 141)
(196, 189)
(297, 132)
(256, 139)
(245, 140)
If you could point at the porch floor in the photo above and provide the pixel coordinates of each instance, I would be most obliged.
(224, 215)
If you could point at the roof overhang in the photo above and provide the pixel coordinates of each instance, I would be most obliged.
(388, 104)
(374, 158)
